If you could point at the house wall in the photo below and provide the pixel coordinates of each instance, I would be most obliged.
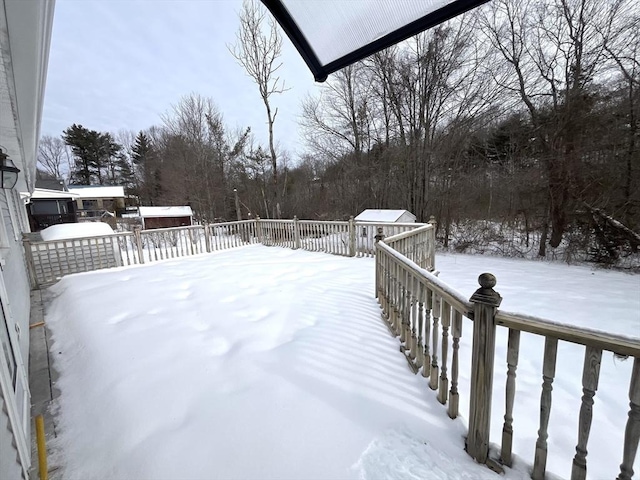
(8, 454)
(166, 222)
(15, 269)
(25, 34)
(14, 313)
(406, 218)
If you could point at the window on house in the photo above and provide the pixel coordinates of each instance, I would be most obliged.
(44, 207)
(89, 204)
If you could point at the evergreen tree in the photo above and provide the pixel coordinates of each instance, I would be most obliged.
(94, 155)
(147, 169)
(83, 143)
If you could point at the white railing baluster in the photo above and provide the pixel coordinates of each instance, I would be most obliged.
(426, 366)
(590, 376)
(443, 387)
(419, 336)
(454, 396)
(513, 349)
(548, 373)
(632, 430)
(433, 380)
(414, 319)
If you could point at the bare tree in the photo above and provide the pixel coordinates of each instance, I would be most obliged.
(554, 52)
(259, 53)
(53, 156)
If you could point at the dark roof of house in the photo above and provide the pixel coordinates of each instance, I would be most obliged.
(333, 34)
(50, 184)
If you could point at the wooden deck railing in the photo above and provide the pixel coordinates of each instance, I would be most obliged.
(349, 238)
(426, 314)
(50, 260)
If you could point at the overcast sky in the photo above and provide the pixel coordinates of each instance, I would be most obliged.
(120, 64)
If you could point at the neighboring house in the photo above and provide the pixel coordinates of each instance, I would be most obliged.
(383, 216)
(25, 34)
(165, 217)
(93, 201)
(51, 207)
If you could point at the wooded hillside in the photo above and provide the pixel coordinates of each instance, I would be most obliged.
(517, 125)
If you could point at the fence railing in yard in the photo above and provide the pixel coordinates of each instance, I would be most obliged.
(50, 260)
(426, 315)
(423, 311)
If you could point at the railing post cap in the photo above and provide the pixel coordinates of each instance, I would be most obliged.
(432, 219)
(295, 217)
(351, 218)
(486, 294)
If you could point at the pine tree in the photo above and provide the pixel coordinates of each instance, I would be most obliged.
(148, 172)
(95, 155)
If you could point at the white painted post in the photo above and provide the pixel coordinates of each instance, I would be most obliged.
(259, 230)
(431, 246)
(207, 237)
(138, 237)
(296, 233)
(352, 237)
(379, 236)
(486, 301)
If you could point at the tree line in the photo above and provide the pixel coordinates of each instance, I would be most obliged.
(521, 116)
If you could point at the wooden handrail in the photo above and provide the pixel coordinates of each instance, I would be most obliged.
(570, 333)
(400, 288)
(456, 299)
(407, 234)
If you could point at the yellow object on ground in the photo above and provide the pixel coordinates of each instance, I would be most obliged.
(42, 448)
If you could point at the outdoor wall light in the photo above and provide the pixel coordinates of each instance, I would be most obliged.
(8, 171)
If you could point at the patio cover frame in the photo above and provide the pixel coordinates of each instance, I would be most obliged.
(320, 72)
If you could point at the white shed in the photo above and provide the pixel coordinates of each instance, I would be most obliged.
(377, 216)
(386, 216)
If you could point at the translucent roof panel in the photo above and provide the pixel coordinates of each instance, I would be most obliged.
(331, 34)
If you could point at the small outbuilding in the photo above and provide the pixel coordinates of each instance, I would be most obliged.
(383, 216)
(386, 216)
(165, 217)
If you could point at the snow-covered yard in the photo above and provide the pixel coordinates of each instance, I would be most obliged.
(264, 362)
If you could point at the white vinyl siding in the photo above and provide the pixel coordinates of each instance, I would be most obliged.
(8, 453)
(6, 228)
(13, 214)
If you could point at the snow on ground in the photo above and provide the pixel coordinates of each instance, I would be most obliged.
(598, 299)
(271, 363)
(75, 230)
